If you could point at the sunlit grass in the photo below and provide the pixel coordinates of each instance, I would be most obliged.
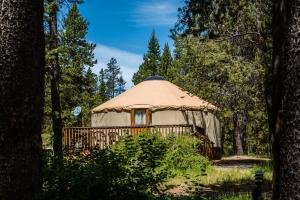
(222, 178)
(266, 168)
(217, 175)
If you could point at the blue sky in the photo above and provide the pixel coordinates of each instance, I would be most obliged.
(121, 29)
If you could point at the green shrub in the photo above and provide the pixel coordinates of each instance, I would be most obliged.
(127, 170)
(183, 156)
(143, 156)
(134, 168)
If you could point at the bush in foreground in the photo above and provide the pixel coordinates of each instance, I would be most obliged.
(135, 168)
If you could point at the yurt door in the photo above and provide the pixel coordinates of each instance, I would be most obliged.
(140, 120)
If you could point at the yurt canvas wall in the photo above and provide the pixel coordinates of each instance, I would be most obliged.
(203, 119)
(110, 119)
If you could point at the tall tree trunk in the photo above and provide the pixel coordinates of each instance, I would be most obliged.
(54, 82)
(284, 99)
(21, 98)
(240, 134)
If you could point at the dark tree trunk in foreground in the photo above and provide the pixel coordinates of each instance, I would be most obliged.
(284, 99)
(21, 98)
(240, 132)
(54, 76)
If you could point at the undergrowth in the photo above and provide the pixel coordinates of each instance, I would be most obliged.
(134, 168)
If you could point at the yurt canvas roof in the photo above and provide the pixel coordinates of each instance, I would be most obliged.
(155, 95)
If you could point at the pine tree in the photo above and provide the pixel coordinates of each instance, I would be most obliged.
(22, 71)
(165, 62)
(121, 85)
(151, 61)
(244, 44)
(111, 81)
(89, 97)
(90, 88)
(284, 103)
(76, 55)
(102, 87)
(193, 18)
(54, 74)
(112, 74)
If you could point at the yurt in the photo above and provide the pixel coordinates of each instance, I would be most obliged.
(157, 102)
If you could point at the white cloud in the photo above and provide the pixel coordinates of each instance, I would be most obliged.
(129, 62)
(155, 13)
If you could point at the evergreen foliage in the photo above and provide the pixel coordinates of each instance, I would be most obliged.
(102, 86)
(165, 62)
(193, 18)
(115, 84)
(54, 69)
(78, 84)
(90, 93)
(151, 61)
(225, 63)
(121, 85)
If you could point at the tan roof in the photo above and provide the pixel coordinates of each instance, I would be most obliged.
(155, 95)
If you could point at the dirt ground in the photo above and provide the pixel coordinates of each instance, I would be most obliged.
(240, 162)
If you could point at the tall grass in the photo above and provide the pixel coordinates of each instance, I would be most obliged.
(266, 168)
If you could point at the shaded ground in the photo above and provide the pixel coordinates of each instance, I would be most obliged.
(233, 176)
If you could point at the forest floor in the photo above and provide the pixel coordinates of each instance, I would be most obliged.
(231, 177)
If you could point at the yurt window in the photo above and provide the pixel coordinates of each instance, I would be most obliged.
(140, 117)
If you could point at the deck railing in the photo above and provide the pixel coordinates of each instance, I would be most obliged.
(101, 137)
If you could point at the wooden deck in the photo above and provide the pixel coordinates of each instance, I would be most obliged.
(101, 137)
